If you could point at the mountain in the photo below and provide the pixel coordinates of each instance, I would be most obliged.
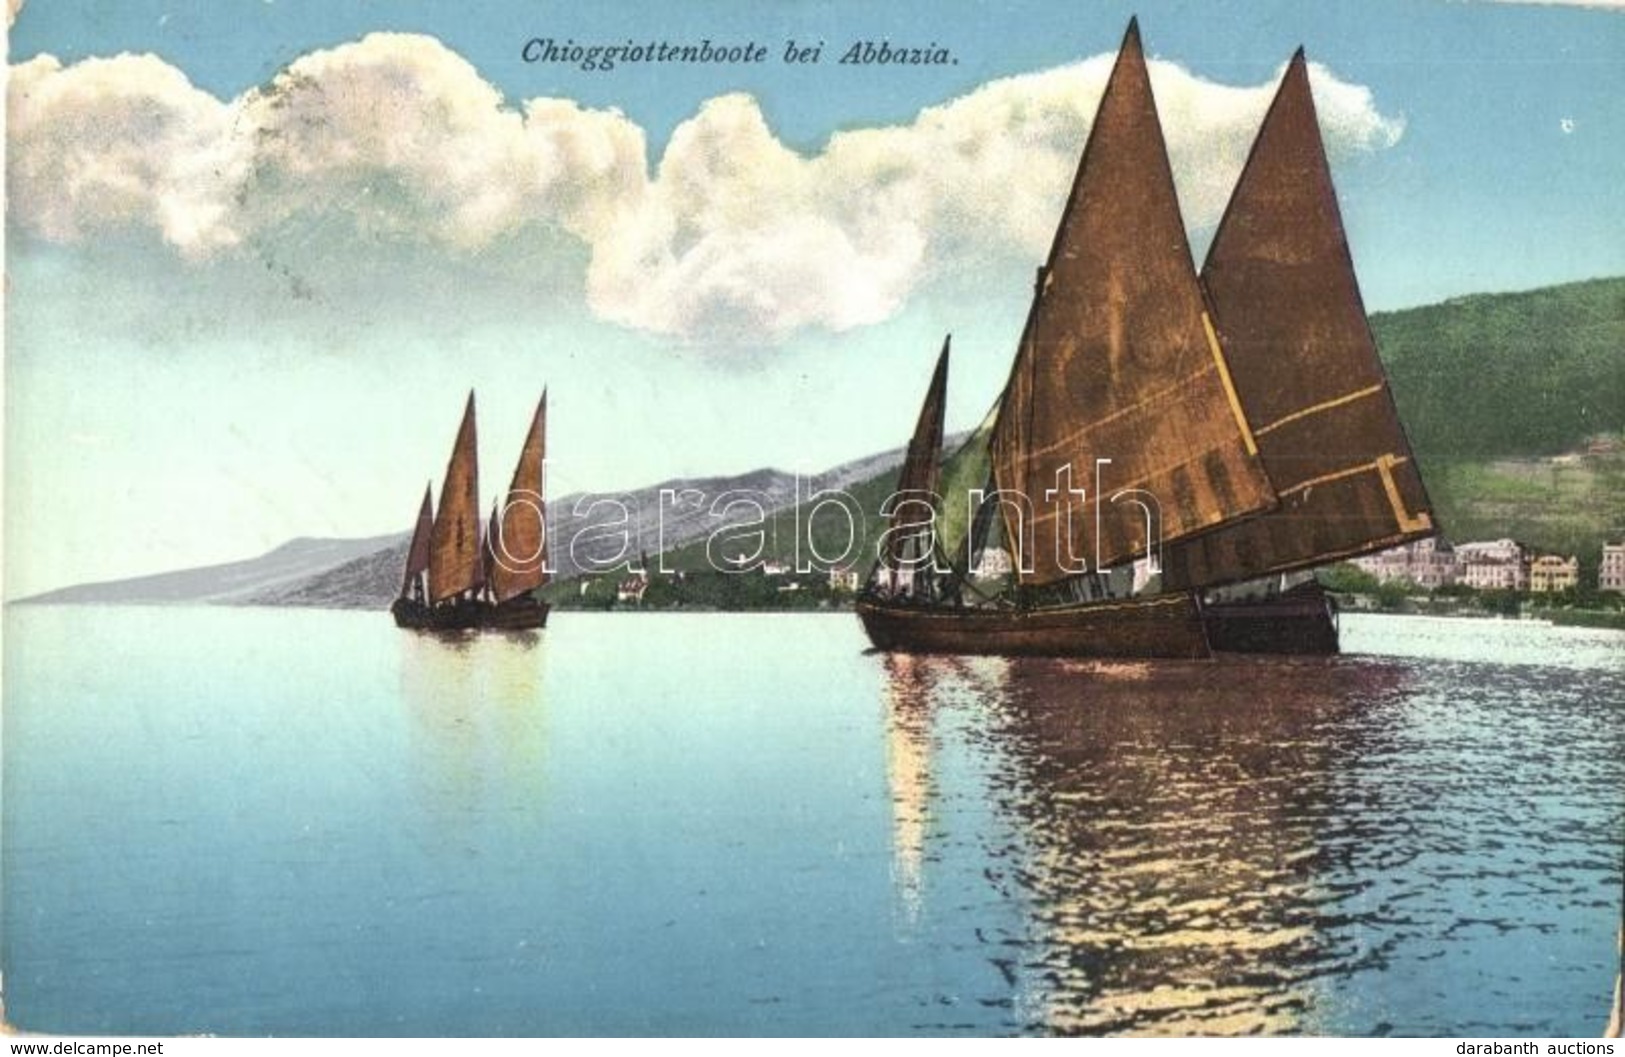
(234, 583)
(1500, 394)
(365, 573)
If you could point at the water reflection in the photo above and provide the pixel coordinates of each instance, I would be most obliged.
(478, 727)
(916, 690)
(908, 772)
(1167, 821)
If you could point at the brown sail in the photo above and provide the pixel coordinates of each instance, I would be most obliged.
(1287, 307)
(1120, 362)
(918, 478)
(454, 542)
(417, 554)
(519, 537)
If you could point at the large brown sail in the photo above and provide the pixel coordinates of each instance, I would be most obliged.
(454, 542)
(1120, 362)
(918, 478)
(519, 539)
(417, 554)
(1287, 306)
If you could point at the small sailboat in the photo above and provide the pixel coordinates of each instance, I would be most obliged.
(1151, 490)
(460, 578)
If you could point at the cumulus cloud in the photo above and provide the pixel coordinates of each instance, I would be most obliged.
(111, 144)
(732, 237)
(403, 138)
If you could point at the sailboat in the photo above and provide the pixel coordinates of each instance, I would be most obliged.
(1120, 470)
(1280, 279)
(458, 577)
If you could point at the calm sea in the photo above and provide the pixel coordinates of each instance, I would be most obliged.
(300, 822)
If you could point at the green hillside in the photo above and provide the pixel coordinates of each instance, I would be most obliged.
(1493, 375)
(1502, 394)
(1568, 504)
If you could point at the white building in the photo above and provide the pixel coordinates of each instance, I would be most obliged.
(845, 578)
(1430, 563)
(1494, 565)
(1611, 573)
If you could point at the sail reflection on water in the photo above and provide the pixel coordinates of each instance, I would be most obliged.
(478, 719)
(908, 772)
(917, 690)
(1167, 830)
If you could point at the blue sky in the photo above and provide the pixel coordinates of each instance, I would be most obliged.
(254, 315)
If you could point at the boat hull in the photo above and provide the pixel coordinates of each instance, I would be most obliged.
(1301, 621)
(520, 614)
(1163, 626)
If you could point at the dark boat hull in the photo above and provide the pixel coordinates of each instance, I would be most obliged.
(520, 614)
(1301, 621)
(1156, 626)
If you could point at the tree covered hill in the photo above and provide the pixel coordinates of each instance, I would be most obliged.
(1494, 375)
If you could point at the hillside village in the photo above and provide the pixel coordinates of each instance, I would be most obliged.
(1491, 565)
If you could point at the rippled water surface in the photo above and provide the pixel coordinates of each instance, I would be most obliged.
(279, 822)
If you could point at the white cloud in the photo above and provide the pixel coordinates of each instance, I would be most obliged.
(732, 238)
(112, 144)
(738, 233)
(13, 9)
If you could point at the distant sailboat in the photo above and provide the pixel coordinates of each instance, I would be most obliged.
(1162, 435)
(457, 577)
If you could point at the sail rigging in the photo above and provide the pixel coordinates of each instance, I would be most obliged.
(519, 534)
(454, 542)
(1285, 300)
(488, 554)
(1119, 380)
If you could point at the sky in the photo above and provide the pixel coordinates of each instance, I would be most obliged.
(259, 250)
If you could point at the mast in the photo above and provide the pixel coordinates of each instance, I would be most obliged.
(417, 554)
(519, 534)
(454, 541)
(488, 563)
(917, 481)
(1120, 362)
(1281, 282)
